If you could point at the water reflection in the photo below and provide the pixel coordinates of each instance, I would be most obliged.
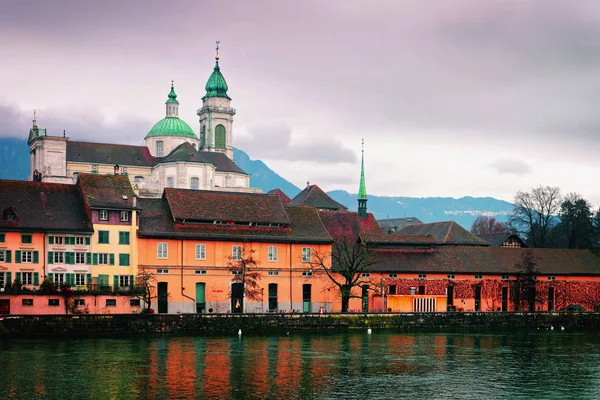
(383, 365)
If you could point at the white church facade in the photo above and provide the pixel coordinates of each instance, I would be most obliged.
(172, 155)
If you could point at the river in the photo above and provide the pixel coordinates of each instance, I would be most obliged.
(383, 365)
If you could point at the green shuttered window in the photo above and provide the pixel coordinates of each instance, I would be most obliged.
(123, 237)
(103, 237)
(220, 137)
(124, 260)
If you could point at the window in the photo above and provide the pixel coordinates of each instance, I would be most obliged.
(79, 240)
(272, 253)
(102, 258)
(450, 276)
(26, 256)
(2, 280)
(124, 260)
(200, 272)
(200, 252)
(103, 237)
(236, 253)
(194, 183)
(75, 176)
(123, 237)
(79, 258)
(111, 302)
(79, 302)
(59, 257)
(505, 277)
(170, 181)
(103, 215)
(10, 215)
(26, 239)
(307, 273)
(2, 237)
(421, 289)
(236, 272)
(160, 148)
(306, 254)
(551, 278)
(53, 302)
(392, 275)
(273, 273)
(392, 289)
(57, 240)
(162, 271)
(422, 276)
(59, 279)
(134, 302)
(365, 275)
(124, 281)
(162, 250)
(27, 278)
(79, 279)
(138, 179)
(478, 276)
(27, 302)
(124, 216)
(2, 257)
(220, 137)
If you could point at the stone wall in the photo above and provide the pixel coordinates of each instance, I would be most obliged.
(229, 324)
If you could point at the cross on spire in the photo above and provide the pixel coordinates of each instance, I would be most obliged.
(217, 49)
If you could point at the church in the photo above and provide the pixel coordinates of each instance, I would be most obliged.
(173, 155)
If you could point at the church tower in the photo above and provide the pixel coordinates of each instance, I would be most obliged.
(216, 114)
(362, 190)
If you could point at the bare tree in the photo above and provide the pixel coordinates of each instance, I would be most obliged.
(345, 265)
(535, 213)
(145, 287)
(526, 283)
(244, 269)
(485, 225)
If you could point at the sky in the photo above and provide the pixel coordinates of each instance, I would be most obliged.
(454, 98)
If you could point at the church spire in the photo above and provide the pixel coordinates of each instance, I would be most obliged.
(172, 103)
(362, 190)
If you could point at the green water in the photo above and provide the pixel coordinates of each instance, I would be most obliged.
(545, 365)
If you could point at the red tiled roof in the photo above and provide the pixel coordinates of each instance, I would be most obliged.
(314, 196)
(202, 205)
(105, 153)
(488, 260)
(398, 239)
(107, 191)
(349, 225)
(282, 196)
(305, 226)
(497, 239)
(43, 206)
(447, 232)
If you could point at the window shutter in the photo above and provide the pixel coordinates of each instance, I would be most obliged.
(8, 278)
(51, 239)
(87, 240)
(36, 278)
(8, 256)
(95, 256)
(72, 257)
(103, 280)
(116, 282)
(112, 259)
(88, 278)
(50, 257)
(18, 277)
(18, 256)
(36, 257)
(51, 276)
(88, 258)
(71, 279)
(131, 280)
(72, 240)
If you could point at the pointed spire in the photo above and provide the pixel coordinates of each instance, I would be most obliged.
(362, 190)
(172, 94)
(216, 85)
(172, 103)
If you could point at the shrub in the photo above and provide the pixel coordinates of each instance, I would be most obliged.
(575, 308)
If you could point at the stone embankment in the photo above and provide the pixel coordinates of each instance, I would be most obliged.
(229, 324)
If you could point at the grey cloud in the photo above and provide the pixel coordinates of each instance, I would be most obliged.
(512, 166)
(275, 142)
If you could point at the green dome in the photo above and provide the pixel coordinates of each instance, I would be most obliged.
(171, 126)
(216, 85)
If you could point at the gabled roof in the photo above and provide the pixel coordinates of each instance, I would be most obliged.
(448, 232)
(221, 162)
(313, 195)
(42, 207)
(396, 224)
(226, 207)
(185, 152)
(488, 260)
(349, 225)
(282, 196)
(398, 239)
(497, 239)
(104, 153)
(304, 226)
(107, 191)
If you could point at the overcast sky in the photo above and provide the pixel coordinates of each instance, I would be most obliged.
(453, 98)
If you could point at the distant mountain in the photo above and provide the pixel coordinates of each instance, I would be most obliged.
(14, 164)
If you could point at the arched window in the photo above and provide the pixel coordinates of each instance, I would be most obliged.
(194, 183)
(220, 137)
(160, 148)
(203, 137)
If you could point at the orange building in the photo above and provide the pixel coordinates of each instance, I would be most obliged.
(191, 242)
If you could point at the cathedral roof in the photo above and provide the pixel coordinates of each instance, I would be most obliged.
(171, 126)
(185, 152)
(216, 85)
(106, 153)
(221, 162)
(314, 196)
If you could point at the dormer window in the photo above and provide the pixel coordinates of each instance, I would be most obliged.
(103, 215)
(10, 215)
(160, 148)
